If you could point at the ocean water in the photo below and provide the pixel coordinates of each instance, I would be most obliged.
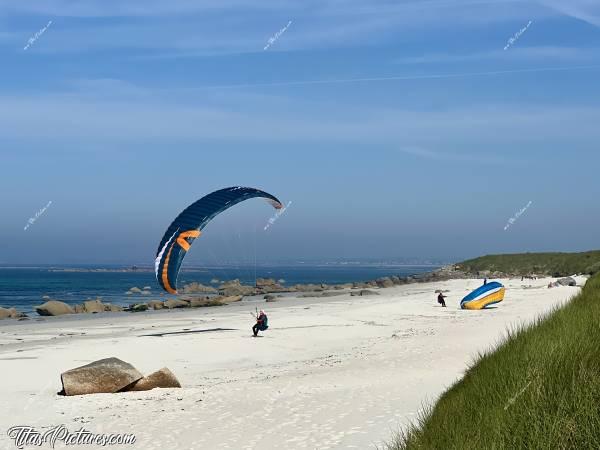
(23, 288)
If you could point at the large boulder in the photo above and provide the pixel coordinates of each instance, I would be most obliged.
(173, 303)
(384, 282)
(195, 288)
(267, 285)
(54, 308)
(8, 313)
(162, 378)
(396, 280)
(137, 307)
(234, 288)
(198, 302)
(112, 308)
(265, 282)
(103, 376)
(93, 306)
(155, 304)
(567, 281)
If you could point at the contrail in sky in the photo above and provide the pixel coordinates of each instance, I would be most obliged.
(406, 77)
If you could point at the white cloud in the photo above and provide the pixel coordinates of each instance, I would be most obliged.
(205, 28)
(134, 114)
(586, 10)
(521, 53)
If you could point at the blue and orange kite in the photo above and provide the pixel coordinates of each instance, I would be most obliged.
(188, 226)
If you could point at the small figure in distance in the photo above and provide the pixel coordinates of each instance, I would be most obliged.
(441, 301)
(262, 323)
(485, 281)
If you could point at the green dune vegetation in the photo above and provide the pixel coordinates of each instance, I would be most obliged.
(549, 264)
(540, 389)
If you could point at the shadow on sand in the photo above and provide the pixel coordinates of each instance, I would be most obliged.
(189, 332)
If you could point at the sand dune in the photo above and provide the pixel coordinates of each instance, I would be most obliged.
(340, 372)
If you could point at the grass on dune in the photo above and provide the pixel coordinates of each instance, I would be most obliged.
(553, 264)
(539, 390)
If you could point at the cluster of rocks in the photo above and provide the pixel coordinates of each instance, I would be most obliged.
(58, 308)
(567, 281)
(11, 313)
(112, 375)
(197, 288)
(234, 287)
(186, 301)
(233, 291)
(147, 290)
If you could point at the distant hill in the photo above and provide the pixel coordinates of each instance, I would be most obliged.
(551, 264)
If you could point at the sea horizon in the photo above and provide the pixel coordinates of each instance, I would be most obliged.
(24, 287)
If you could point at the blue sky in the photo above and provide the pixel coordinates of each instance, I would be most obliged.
(397, 129)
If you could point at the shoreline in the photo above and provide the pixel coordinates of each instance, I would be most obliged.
(26, 288)
(329, 372)
(198, 295)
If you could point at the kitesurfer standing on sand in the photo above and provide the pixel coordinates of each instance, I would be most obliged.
(441, 301)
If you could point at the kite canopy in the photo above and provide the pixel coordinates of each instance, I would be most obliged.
(483, 296)
(188, 226)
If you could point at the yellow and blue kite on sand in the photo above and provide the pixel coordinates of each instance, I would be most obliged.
(484, 296)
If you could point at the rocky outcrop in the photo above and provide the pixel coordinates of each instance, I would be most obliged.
(96, 306)
(269, 285)
(197, 288)
(112, 308)
(384, 282)
(155, 304)
(54, 308)
(137, 307)
(93, 306)
(162, 378)
(198, 302)
(235, 288)
(265, 282)
(10, 313)
(104, 376)
(567, 281)
(173, 303)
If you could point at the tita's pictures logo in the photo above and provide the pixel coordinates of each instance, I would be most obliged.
(25, 436)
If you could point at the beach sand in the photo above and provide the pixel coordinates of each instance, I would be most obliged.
(339, 372)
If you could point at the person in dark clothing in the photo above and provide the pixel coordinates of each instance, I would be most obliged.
(262, 323)
(441, 301)
(484, 281)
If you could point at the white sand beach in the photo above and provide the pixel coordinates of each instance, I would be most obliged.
(339, 372)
